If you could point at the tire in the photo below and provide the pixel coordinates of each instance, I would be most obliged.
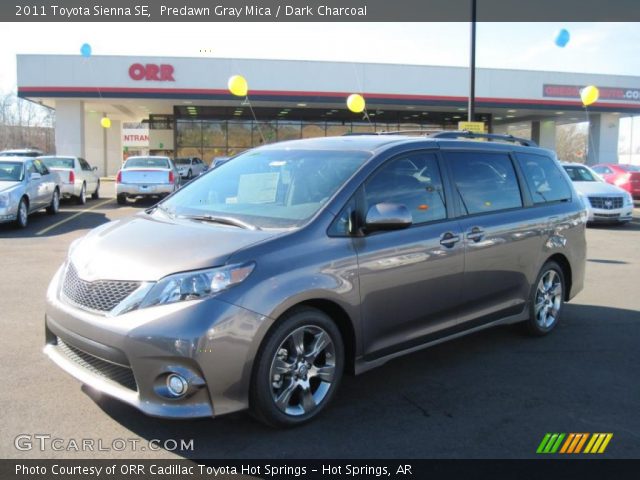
(189, 175)
(305, 383)
(54, 206)
(22, 218)
(96, 195)
(122, 200)
(82, 198)
(546, 300)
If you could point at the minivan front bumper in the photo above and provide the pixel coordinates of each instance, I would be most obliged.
(210, 343)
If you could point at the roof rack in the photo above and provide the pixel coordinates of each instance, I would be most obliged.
(393, 132)
(489, 136)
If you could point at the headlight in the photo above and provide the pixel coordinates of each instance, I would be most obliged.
(628, 199)
(5, 200)
(196, 285)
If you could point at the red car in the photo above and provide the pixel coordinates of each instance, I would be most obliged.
(622, 175)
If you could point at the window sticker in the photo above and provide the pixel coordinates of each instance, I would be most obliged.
(258, 187)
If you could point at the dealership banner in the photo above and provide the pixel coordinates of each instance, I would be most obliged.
(606, 93)
(315, 11)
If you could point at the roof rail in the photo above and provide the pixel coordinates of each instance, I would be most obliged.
(489, 136)
(393, 132)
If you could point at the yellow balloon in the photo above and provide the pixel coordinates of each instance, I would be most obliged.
(355, 103)
(589, 95)
(238, 86)
(105, 122)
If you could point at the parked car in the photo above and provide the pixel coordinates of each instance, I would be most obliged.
(311, 257)
(605, 203)
(217, 161)
(146, 176)
(26, 186)
(190, 167)
(21, 152)
(77, 177)
(621, 175)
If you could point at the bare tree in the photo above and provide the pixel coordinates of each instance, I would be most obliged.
(25, 124)
(571, 142)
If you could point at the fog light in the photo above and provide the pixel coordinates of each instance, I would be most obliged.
(177, 385)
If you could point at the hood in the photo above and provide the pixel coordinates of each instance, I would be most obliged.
(597, 188)
(5, 185)
(147, 248)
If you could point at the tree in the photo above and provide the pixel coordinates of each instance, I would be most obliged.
(571, 142)
(25, 124)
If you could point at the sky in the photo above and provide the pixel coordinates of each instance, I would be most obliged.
(610, 48)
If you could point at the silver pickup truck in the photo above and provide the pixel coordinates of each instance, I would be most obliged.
(146, 176)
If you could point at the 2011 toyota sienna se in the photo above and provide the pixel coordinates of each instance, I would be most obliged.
(259, 283)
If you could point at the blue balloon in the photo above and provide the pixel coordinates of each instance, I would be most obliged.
(563, 38)
(85, 50)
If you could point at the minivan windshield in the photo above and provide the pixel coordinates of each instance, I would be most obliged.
(580, 174)
(268, 188)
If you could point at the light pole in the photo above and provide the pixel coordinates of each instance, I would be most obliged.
(472, 67)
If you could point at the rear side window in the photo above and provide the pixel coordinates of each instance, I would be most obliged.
(413, 181)
(544, 178)
(484, 181)
(83, 164)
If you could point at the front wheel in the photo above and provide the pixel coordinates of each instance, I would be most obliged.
(189, 175)
(298, 369)
(546, 300)
(22, 218)
(96, 195)
(122, 200)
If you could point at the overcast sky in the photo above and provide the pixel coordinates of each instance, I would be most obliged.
(611, 48)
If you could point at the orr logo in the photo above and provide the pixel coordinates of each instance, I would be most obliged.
(151, 72)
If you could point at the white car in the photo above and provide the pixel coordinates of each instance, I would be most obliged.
(190, 167)
(146, 176)
(605, 203)
(26, 186)
(77, 177)
(21, 152)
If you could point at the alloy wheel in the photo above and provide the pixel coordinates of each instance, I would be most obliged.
(23, 213)
(548, 299)
(303, 370)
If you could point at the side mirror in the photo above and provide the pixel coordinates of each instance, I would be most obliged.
(388, 216)
(95, 169)
(35, 176)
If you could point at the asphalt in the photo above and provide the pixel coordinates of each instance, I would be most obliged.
(489, 395)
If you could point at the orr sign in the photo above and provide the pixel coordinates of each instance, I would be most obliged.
(151, 72)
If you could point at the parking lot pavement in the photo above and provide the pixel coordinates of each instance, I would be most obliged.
(489, 395)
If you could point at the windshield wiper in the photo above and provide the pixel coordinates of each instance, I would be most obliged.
(223, 220)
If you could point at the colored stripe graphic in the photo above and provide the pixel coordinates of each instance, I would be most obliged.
(573, 443)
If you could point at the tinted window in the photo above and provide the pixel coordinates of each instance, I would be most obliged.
(602, 170)
(83, 164)
(413, 181)
(630, 168)
(579, 174)
(147, 162)
(40, 168)
(57, 162)
(544, 178)
(485, 182)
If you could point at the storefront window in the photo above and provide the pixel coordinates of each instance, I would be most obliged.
(264, 133)
(311, 130)
(208, 154)
(189, 133)
(239, 134)
(289, 131)
(334, 130)
(188, 152)
(214, 133)
(363, 128)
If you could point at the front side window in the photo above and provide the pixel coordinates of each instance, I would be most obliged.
(602, 170)
(484, 181)
(413, 181)
(544, 178)
(40, 168)
(84, 165)
(268, 188)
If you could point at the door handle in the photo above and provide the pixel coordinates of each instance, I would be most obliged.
(475, 234)
(449, 239)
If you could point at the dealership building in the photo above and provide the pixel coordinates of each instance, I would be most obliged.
(188, 110)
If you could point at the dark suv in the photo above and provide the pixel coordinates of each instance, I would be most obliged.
(310, 257)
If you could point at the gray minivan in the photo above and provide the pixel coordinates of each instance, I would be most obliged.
(313, 257)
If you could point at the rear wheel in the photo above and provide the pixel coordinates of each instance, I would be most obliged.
(122, 200)
(546, 300)
(54, 206)
(189, 175)
(96, 195)
(22, 218)
(298, 369)
(82, 198)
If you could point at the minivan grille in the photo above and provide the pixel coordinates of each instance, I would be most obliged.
(99, 295)
(97, 366)
(606, 203)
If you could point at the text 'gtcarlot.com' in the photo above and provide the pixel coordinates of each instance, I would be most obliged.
(45, 442)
